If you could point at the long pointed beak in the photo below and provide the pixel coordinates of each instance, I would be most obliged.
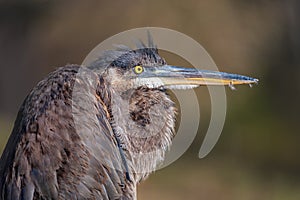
(173, 75)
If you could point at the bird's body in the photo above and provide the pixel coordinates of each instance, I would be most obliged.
(52, 161)
(82, 134)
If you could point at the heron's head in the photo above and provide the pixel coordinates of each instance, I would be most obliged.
(145, 68)
(143, 113)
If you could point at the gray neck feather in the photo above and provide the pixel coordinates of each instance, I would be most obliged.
(143, 121)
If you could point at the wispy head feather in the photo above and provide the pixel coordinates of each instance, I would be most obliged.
(124, 57)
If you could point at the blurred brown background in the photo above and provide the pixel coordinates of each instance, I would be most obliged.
(257, 156)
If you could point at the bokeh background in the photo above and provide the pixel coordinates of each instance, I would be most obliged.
(257, 156)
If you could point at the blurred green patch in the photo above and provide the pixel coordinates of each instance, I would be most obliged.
(6, 126)
(216, 179)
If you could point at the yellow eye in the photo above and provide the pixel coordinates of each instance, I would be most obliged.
(138, 69)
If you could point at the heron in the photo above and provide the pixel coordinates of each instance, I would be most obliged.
(125, 123)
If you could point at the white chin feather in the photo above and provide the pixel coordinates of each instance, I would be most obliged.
(149, 82)
(157, 83)
(181, 87)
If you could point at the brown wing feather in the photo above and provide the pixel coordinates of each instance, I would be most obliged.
(51, 155)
